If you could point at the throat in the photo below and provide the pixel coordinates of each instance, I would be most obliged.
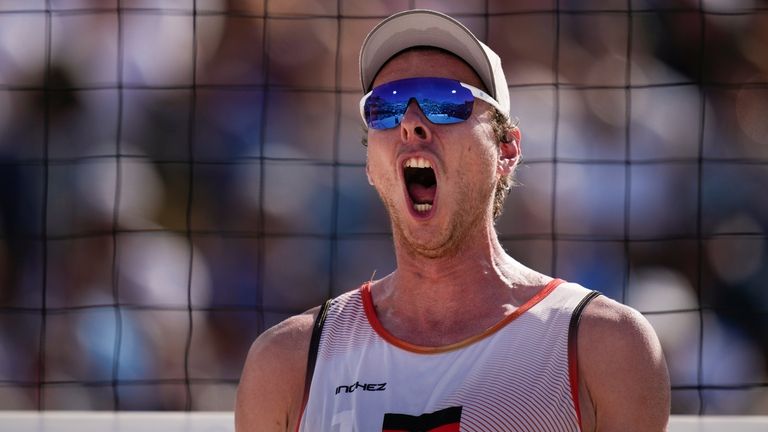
(422, 194)
(422, 323)
(421, 184)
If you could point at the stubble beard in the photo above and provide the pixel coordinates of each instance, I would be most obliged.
(449, 241)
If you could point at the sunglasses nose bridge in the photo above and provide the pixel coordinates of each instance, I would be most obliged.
(414, 125)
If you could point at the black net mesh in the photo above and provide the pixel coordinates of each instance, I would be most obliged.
(176, 176)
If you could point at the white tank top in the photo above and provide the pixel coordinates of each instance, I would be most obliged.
(519, 375)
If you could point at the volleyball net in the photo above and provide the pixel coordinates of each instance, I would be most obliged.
(89, 421)
(177, 176)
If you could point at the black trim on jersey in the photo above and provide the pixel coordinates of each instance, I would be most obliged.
(576, 317)
(314, 346)
(573, 368)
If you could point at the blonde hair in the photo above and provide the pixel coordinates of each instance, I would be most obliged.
(502, 125)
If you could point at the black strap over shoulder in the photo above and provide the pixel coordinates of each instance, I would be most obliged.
(573, 327)
(314, 346)
(576, 317)
(573, 368)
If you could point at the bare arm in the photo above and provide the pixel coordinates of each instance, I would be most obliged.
(625, 382)
(271, 388)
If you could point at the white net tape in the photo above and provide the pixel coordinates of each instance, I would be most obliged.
(84, 421)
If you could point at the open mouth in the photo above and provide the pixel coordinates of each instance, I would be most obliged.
(421, 183)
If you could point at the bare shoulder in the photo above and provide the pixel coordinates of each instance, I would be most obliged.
(271, 387)
(615, 325)
(622, 368)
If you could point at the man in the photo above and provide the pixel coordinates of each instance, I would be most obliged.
(460, 336)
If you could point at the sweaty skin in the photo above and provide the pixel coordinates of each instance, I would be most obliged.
(623, 379)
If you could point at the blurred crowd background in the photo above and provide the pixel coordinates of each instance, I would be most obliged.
(178, 175)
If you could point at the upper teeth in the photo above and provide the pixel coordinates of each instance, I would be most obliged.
(417, 162)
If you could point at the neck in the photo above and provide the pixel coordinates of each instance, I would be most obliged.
(479, 260)
(477, 276)
(435, 301)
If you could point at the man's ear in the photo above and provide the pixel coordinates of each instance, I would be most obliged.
(509, 151)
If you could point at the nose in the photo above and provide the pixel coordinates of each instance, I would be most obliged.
(414, 126)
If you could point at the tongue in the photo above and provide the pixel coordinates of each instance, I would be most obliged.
(421, 194)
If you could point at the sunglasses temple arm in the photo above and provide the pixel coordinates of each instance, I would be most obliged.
(476, 92)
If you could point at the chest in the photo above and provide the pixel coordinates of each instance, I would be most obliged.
(515, 376)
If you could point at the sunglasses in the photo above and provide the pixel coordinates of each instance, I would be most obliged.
(442, 100)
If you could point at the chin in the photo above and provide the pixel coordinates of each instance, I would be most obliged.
(437, 236)
(433, 241)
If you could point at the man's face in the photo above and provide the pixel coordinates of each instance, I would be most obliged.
(434, 211)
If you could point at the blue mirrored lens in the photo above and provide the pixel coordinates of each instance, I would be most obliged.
(442, 100)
